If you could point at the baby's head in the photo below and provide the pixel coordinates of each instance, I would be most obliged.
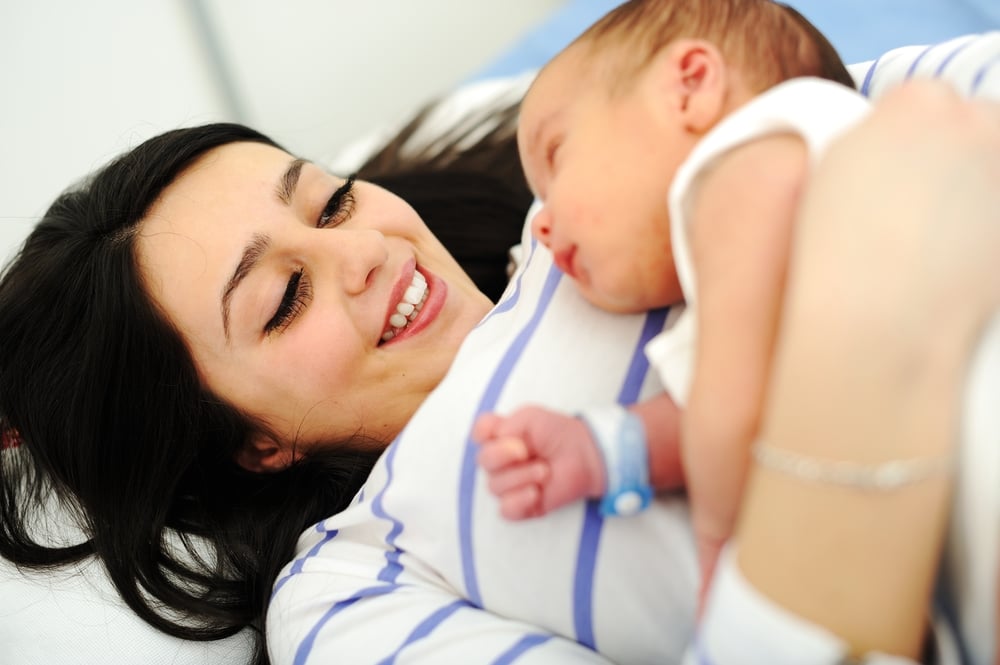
(608, 120)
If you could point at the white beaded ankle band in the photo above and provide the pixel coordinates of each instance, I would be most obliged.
(885, 476)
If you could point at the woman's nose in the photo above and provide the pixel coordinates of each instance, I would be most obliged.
(541, 226)
(356, 255)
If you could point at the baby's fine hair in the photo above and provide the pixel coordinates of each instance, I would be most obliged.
(767, 41)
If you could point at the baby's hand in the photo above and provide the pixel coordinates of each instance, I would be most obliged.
(538, 460)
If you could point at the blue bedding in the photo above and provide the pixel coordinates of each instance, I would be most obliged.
(859, 29)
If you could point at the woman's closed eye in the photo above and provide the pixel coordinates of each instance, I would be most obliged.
(297, 294)
(340, 207)
(298, 291)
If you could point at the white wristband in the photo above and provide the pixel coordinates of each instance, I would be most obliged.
(621, 438)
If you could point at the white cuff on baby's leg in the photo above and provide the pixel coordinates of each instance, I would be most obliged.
(741, 625)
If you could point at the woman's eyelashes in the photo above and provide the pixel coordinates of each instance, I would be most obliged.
(296, 297)
(340, 206)
(298, 291)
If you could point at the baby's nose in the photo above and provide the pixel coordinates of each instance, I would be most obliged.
(541, 226)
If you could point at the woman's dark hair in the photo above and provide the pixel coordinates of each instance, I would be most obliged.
(104, 397)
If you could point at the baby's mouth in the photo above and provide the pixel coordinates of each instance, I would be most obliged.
(565, 260)
(406, 311)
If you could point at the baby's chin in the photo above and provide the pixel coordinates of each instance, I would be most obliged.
(616, 303)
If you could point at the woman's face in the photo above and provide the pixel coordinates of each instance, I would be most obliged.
(325, 310)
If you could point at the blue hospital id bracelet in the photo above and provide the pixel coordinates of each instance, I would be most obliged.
(621, 438)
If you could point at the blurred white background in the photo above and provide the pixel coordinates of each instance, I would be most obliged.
(82, 81)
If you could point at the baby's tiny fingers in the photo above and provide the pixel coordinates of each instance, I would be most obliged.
(521, 503)
(515, 477)
(500, 453)
(485, 427)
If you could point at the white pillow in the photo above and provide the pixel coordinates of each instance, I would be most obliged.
(75, 615)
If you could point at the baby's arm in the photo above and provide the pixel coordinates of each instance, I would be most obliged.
(740, 235)
(539, 460)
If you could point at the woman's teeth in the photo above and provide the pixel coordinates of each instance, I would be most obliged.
(408, 307)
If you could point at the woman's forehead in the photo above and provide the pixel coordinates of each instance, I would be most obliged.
(235, 164)
(230, 186)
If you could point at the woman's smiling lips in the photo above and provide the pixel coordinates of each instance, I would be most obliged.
(416, 300)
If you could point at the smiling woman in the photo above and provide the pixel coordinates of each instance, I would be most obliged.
(322, 266)
(207, 307)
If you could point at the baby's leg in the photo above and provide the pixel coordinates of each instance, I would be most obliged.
(945, 260)
(892, 285)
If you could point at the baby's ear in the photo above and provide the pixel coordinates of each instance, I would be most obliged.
(264, 455)
(693, 74)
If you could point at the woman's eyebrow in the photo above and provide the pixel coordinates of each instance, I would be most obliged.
(286, 186)
(251, 255)
(260, 242)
